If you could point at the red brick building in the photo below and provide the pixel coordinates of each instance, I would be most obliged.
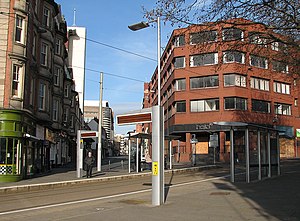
(225, 72)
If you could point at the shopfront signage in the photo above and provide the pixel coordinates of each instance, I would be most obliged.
(203, 126)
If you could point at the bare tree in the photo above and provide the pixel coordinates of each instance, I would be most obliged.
(280, 17)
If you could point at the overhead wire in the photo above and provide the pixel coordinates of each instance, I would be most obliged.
(125, 51)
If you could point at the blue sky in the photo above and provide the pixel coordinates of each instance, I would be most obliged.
(107, 22)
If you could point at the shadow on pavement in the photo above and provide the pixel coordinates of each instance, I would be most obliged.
(277, 197)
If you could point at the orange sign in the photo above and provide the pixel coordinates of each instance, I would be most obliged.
(134, 118)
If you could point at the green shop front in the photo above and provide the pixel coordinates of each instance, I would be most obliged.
(14, 145)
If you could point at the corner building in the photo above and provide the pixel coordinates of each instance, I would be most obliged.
(224, 73)
(39, 107)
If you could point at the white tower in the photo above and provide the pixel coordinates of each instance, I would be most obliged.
(77, 53)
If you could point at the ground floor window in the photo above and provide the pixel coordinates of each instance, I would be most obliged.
(8, 155)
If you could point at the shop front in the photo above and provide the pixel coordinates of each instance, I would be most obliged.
(14, 125)
(253, 151)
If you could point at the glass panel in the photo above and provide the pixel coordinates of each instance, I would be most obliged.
(180, 83)
(2, 150)
(194, 106)
(180, 106)
(229, 103)
(264, 154)
(211, 105)
(243, 81)
(179, 62)
(274, 155)
(253, 155)
(229, 80)
(10, 151)
(232, 34)
(203, 59)
(239, 156)
(205, 36)
(201, 106)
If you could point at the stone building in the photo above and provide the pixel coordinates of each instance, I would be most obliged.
(39, 107)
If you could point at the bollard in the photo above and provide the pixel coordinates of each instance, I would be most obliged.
(122, 164)
(109, 165)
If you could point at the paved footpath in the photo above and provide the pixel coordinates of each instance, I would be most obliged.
(275, 199)
(272, 199)
(68, 176)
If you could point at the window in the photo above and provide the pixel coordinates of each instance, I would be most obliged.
(259, 62)
(260, 84)
(205, 105)
(233, 56)
(261, 106)
(234, 80)
(72, 121)
(42, 94)
(58, 46)
(55, 110)
(204, 36)
(46, 17)
(232, 34)
(44, 54)
(280, 66)
(34, 45)
(180, 106)
(235, 103)
(281, 88)
(57, 74)
(19, 29)
(179, 41)
(257, 38)
(283, 109)
(66, 91)
(65, 115)
(36, 6)
(16, 80)
(204, 82)
(278, 46)
(204, 59)
(179, 62)
(180, 84)
(31, 91)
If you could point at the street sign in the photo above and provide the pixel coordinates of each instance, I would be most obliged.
(155, 168)
(192, 141)
(89, 134)
(214, 140)
(134, 118)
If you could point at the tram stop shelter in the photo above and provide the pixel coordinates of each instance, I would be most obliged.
(254, 150)
(140, 149)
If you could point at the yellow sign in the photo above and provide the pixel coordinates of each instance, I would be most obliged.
(155, 168)
(81, 140)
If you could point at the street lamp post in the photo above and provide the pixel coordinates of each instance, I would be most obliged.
(158, 196)
(99, 151)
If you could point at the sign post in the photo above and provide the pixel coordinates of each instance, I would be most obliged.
(194, 141)
(81, 134)
(153, 115)
(214, 142)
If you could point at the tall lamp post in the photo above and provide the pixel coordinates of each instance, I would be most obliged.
(158, 196)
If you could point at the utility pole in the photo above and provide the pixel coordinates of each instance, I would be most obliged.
(99, 152)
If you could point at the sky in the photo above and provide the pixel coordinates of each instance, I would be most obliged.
(107, 22)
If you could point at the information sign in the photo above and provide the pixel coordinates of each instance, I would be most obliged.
(155, 168)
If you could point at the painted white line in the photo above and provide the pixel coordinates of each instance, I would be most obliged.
(73, 202)
(105, 197)
(200, 181)
(295, 171)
